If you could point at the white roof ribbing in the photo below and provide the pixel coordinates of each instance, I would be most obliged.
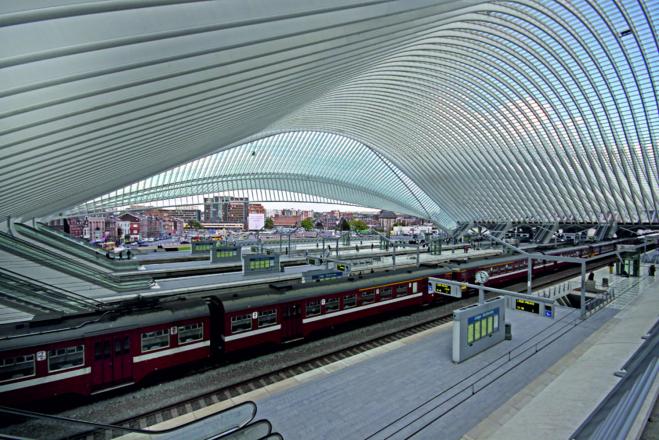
(493, 110)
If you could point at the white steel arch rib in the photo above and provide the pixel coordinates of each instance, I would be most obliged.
(289, 166)
(506, 110)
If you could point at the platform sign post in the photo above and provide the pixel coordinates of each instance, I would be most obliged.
(530, 275)
(481, 278)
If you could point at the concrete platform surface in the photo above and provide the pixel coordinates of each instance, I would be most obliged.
(564, 395)
(411, 389)
(381, 394)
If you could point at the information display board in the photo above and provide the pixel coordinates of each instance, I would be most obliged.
(314, 261)
(482, 325)
(526, 305)
(478, 327)
(531, 306)
(201, 247)
(260, 263)
(225, 253)
(444, 289)
(342, 267)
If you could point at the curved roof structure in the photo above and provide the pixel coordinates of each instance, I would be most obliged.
(484, 110)
(293, 166)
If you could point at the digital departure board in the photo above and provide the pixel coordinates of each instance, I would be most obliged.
(443, 288)
(527, 306)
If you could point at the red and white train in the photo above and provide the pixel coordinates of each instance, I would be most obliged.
(88, 354)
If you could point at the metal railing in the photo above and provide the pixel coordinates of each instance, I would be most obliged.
(27, 250)
(463, 390)
(621, 410)
(79, 248)
(21, 288)
(23, 424)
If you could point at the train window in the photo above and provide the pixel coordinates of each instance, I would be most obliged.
(401, 290)
(16, 367)
(126, 345)
(64, 358)
(269, 317)
(155, 340)
(349, 301)
(368, 297)
(331, 305)
(117, 346)
(313, 307)
(386, 293)
(241, 323)
(190, 332)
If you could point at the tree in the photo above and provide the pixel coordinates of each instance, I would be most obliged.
(307, 224)
(344, 225)
(269, 223)
(358, 225)
(194, 224)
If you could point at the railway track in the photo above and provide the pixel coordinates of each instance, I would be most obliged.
(294, 360)
(443, 314)
(225, 393)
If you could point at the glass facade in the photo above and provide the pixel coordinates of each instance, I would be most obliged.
(454, 111)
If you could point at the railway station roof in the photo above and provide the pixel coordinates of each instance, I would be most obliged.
(453, 111)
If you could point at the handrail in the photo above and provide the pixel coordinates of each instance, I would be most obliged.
(150, 433)
(28, 250)
(88, 302)
(464, 385)
(81, 251)
(42, 227)
(614, 417)
(469, 386)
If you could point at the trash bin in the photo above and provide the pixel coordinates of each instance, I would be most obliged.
(605, 282)
(509, 331)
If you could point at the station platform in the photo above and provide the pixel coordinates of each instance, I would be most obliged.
(563, 396)
(559, 370)
(236, 279)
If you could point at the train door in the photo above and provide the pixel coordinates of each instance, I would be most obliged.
(112, 362)
(292, 325)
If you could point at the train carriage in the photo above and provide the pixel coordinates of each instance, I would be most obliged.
(87, 354)
(91, 354)
(255, 319)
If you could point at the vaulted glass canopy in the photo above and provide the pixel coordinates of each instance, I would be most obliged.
(506, 110)
(292, 166)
